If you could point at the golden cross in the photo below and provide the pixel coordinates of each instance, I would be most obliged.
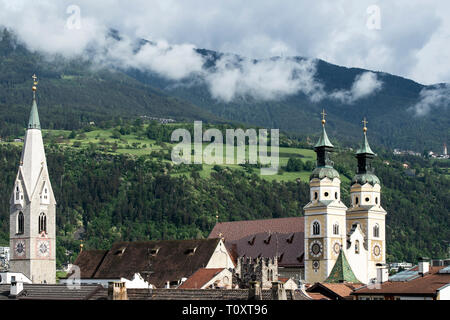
(34, 77)
(323, 113)
(365, 122)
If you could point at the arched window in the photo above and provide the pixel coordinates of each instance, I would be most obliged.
(17, 193)
(42, 223)
(336, 195)
(20, 223)
(315, 195)
(336, 228)
(316, 228)
(356, 200)
(376, 230)
(357, 246)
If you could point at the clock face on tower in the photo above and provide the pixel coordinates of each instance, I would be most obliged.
(315, 248)
(376, 250)
(43, 248)
(337, 247)
(19, 248)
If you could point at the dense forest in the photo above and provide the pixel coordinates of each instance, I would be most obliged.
(104, 198)
(75, 92)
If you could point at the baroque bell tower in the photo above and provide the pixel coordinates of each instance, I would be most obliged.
(366, 210)
(32, 208)
(325, 232)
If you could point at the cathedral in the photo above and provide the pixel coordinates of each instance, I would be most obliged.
(32, 209)
(343, 244)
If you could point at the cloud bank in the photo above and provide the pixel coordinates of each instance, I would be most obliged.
(364, 85)
(432, 98)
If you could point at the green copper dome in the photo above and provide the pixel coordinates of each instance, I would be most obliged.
(364, 178)
(324, 172)
(34, 122)
(365, 148)
(323, 140)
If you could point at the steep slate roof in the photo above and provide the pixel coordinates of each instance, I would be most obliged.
(174, 259)
(51, 292)
(342, 272)
(252, 238)
(89, 261)
(200, 278)
(423, 286)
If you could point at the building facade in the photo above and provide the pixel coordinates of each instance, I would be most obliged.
(332, 231)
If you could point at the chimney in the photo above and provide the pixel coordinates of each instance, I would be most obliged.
(382, 273)
(117, 291)
(278, 291)
(424, 265)
(16, 287)
(254, 291)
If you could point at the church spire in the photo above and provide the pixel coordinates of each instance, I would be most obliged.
(33, 122)
(365, 155)
(323, 149)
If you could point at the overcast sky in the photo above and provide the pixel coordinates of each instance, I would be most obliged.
(410, 38)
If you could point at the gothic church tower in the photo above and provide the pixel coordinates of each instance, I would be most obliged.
(325, 232)
(32, 209)
(367, 212)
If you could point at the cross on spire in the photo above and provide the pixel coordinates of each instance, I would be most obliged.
(365, 122)
(35, 82)
(323, 113)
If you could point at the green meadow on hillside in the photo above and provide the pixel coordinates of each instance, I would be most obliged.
(108, 141)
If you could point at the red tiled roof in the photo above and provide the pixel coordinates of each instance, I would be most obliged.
(426, 285)
(317, 296)
(266, 238)
(200, 278)
(342, 289)
(236, 230)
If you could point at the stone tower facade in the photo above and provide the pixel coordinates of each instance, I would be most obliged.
(32, 209)
(324, 215)
(263, 270)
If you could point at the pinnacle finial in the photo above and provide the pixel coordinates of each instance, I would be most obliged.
(365, 122)
(323, 113)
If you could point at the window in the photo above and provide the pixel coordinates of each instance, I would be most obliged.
(315, 195)
(316, 228)
(336, 228)
(356, 200)
(357, 246)
(42, 223)
(367, 199)
(336, 195)
(20, 223)
(326, 194)
(376, 231)
(376, 200)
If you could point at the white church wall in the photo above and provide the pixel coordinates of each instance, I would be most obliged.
(220, 258)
